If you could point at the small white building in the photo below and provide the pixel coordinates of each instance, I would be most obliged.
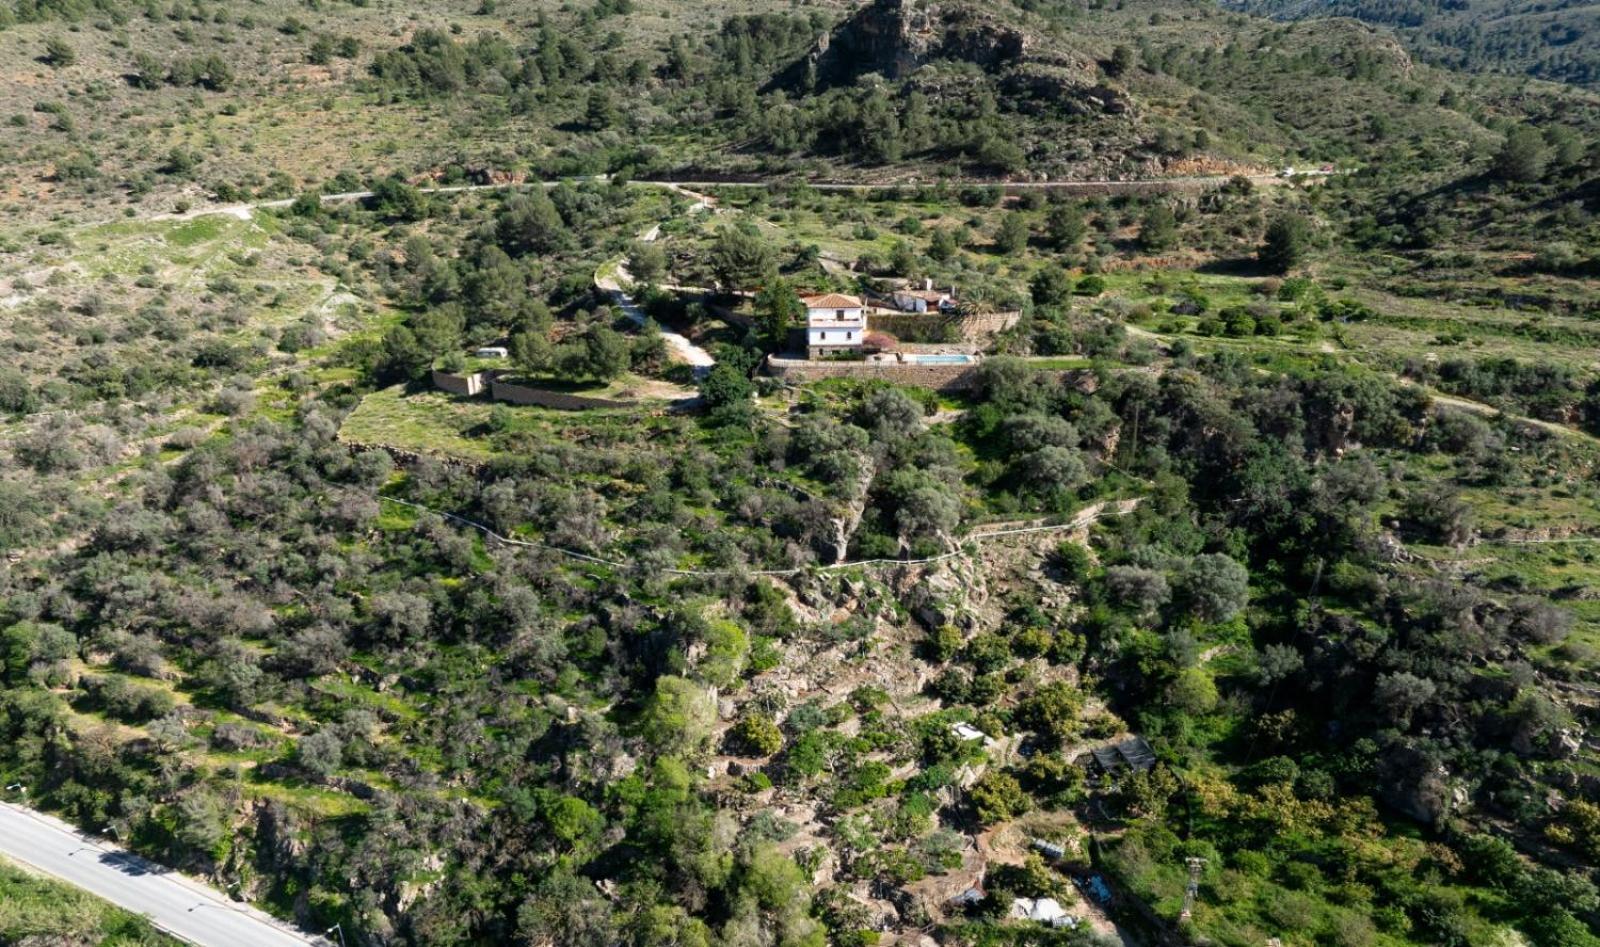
(924, 298)
(1047, 911)
(967, 733)
(492, 351)
(834, 323)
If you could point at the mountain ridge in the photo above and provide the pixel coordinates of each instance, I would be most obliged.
(1559, 42)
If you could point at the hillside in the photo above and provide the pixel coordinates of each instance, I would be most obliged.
(1215, 560)
(1555, 41)
(37, 910)
(145, 113)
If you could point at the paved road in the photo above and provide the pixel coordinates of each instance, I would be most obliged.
(1108, 185)
(178, 905)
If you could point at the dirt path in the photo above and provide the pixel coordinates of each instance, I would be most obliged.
(1449, 401)
(1085, 518)
(1490, 411)
(613, 276)
(703, 202)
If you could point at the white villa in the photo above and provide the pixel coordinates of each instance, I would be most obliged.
(834, 323)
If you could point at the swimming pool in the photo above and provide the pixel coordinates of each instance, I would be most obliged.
(940, 359)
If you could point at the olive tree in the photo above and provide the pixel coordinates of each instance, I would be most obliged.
(1136, 588)
(1215, 587)
(320, 753)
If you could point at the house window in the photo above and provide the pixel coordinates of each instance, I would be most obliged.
(824, 336)
(839, 314)
(849, 335)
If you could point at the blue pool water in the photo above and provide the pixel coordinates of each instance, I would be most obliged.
(939, 359)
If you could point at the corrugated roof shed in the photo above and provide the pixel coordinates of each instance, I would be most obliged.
(1131, 753)
(1136, 753)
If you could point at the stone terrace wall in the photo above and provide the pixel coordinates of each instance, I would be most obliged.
(977, 327)
(985, 325)
(522, 394)
(937, 377)
(467, 386)
(471, 386)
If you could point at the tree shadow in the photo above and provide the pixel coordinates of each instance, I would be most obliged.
(1243, 266)
(131, 864)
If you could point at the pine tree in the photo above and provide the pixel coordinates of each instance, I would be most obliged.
(1066, 226)
(1012, 237)
(58, 52)
(601, 112)
(1286, 242)
(1122, 60)
(1521, 157)
(1158, 230)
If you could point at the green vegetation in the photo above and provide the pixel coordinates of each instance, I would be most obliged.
(1289, 475)
(1484, 35)
(34, 909)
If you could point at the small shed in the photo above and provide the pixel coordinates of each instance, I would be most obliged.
(1043, 910)
(924, 299)
(1129, 755)
(968, 733)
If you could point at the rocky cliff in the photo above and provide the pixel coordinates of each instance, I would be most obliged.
(895, 37)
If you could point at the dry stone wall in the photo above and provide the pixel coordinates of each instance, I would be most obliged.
(938, 377)
(908, 326)
(522, 394)
(471, 386)
(467, 386)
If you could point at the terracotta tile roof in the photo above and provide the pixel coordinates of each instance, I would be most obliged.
(832, 301)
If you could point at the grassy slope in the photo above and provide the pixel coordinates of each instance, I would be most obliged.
(36, 909)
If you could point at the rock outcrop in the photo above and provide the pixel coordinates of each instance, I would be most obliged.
(895, 37)
(1038, 88)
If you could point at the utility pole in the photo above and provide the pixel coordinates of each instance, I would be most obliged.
(1193, 888)
(340, 929)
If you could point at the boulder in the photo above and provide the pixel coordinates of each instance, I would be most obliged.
(1040, 89)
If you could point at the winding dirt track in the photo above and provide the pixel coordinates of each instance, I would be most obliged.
(1108, 186)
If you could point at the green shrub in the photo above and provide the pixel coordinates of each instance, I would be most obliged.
(756, 735)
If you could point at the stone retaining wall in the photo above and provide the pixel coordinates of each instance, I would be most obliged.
(467, 386)
(913, 326)
(522, 394)
(471, 386)
(982, 326)
(938, 377)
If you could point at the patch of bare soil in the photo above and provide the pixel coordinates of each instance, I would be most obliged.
(651, 389)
